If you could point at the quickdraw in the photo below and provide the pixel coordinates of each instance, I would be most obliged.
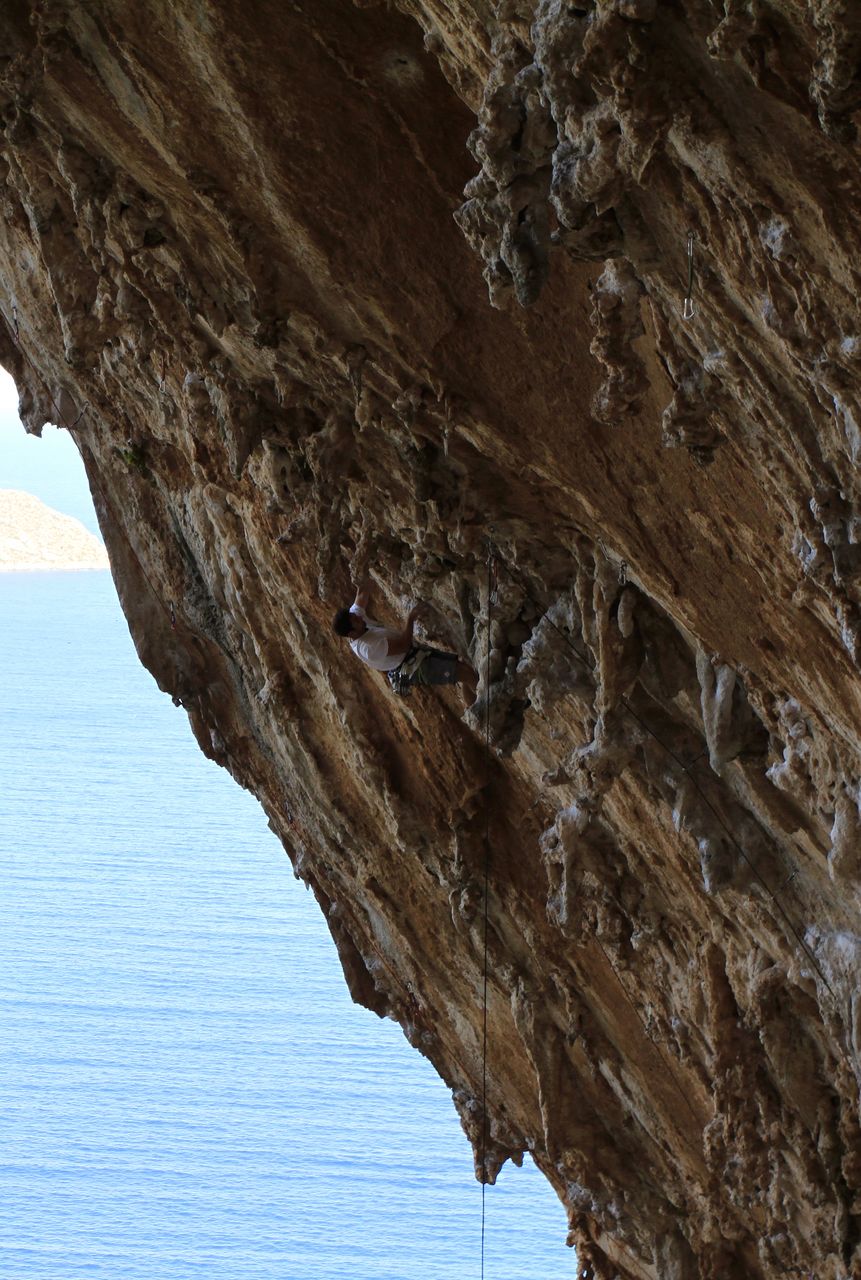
(401, 678)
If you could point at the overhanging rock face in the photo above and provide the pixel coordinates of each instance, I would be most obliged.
(325, 286)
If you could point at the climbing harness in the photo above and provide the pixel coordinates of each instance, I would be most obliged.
(688, 308)
(401, 677)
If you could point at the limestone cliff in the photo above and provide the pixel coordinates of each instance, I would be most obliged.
(33, 537)
(328, 284)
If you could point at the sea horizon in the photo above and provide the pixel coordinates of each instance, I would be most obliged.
(186, 1088)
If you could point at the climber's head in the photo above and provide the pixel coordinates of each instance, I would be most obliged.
(347, 623)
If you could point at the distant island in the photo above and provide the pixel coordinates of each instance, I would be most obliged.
(34, 537)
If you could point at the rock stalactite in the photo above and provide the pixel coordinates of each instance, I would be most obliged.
(360, 284)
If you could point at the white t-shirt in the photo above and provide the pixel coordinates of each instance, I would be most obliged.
(373, 646)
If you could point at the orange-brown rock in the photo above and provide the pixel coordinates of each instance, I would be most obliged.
(321, 286)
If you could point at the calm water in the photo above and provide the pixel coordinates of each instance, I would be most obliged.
(186, 1089)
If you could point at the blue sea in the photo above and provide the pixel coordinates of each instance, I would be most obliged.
(186, 1089)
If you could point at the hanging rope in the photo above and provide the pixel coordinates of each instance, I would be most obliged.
(484, 1124)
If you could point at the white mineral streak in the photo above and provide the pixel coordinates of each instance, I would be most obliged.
(229, 263)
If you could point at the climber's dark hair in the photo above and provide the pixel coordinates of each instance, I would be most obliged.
(342, 623)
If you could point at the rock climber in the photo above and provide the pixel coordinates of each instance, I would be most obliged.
(405, 663)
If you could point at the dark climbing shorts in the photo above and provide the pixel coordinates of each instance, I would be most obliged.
(438, 668)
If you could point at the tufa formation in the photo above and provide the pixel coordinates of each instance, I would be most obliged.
(326, 288)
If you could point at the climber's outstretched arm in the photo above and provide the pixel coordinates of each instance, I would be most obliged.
(402, 641)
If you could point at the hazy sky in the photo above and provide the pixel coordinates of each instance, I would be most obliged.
(50, 468)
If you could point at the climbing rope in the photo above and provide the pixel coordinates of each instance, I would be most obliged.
(491, 570)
